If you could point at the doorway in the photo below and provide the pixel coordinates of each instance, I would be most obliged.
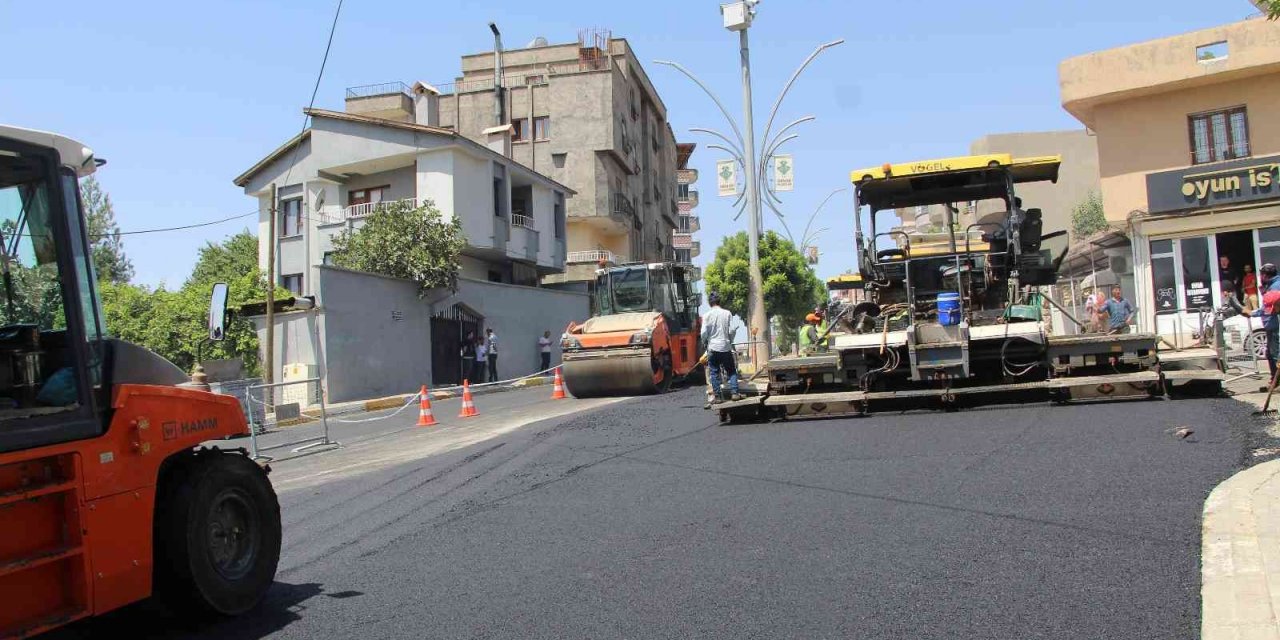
(448, 329)
(1236, 250)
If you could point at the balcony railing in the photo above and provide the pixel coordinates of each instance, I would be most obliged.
(689, 224)
(681, 240)
(362, 210)
(537, 76)
(589, 257)
(686, 176)
(691, 199)
(383, 89)
(520, 220)
(696, 249)
(622, 205)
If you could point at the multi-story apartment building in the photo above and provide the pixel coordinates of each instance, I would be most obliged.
(682, 241)
(348, 165)
(585, 114)
(1189, 158)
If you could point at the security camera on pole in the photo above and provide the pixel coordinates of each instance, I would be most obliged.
(738, 17)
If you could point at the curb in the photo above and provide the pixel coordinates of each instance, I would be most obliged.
(1239, 554)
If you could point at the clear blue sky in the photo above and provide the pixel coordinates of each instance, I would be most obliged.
(182, 97)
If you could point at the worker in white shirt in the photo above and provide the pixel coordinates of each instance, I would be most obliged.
(717, 325)
(544, 346)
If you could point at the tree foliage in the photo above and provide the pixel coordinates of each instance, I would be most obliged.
(109, 260)
(405, 242)
(791, 290)
(1271, 8)
(1087, 217)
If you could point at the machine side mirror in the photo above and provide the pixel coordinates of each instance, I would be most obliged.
(218, 312)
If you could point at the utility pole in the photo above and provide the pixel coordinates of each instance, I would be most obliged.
(268, 370)
(759, 322)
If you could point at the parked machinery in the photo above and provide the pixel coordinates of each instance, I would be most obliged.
(643, 335)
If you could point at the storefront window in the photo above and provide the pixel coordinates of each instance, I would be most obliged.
(1196, 276)
(1269, 245)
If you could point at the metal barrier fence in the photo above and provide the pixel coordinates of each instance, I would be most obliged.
(283, 404)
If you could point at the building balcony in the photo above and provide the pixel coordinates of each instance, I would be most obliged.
(686, 176)
(355, 211)
(590, 257)
(681, 240)
(622, 206)
(691, 200)
(520, 220)
(388, 100)
(690, 224)
(523, 244)
(695, 249)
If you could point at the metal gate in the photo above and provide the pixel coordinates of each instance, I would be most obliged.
(448, 328)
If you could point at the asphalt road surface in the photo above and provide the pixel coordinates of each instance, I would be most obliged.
(646, 519)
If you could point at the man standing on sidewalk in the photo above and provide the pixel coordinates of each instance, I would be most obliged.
(544, 346)
(468, 356)
(717, 324)
(491, 342)
(1271, 315)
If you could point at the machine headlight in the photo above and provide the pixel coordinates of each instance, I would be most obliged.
(641, 337)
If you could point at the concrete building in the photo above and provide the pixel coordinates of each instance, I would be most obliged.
(583, 113)
(1189, 159)
(346, 166)
(682, 240)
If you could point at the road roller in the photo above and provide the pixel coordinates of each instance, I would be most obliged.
(643, 335)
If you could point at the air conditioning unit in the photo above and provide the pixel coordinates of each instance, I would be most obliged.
(1121, 265)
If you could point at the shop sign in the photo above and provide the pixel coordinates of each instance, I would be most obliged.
(1224, 183)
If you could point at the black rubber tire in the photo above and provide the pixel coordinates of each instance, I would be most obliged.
(217, 535)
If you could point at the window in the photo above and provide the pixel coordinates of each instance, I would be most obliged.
(499, 190)
(292, 282)
(682, 191)
(329, 258)
(558, 159)
(290, 218)
(1196, 277)
(559, 215)
(519, 129)
(1219, 135)
(541, 128)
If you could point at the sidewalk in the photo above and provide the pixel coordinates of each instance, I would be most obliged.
(1240, 547)
(395, 402)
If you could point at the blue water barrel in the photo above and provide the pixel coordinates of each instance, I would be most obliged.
(949, 309)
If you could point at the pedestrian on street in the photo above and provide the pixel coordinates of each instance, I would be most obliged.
(1249, 285)
(1271, 315)
(492, 351)
(468, 354)
(1119, 311)
(477, 372)
(544, 346)
(718, 325)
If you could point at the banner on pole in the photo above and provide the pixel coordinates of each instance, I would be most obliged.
(784, 171)
(727, 177)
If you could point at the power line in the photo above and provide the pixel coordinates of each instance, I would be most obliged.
(187, 226)
(314, 91)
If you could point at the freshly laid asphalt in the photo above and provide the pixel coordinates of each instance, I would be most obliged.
(647, 519)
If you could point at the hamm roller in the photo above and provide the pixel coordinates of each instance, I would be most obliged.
(643, 336)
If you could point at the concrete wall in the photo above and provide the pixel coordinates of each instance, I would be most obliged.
(1077, 177)
(1148, 134)
(519, 315)
(377, 333)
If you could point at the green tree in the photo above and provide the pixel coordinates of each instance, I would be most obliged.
(791, 290)
(109, 260)
(1271, 8)
(226, 260)
(173, 323)
(1087, 216)
(404, 242)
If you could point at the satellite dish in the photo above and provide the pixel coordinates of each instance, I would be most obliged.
(537, 42)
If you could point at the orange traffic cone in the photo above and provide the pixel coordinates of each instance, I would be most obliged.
(425, 419)
(558, 392)
(468, 406)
